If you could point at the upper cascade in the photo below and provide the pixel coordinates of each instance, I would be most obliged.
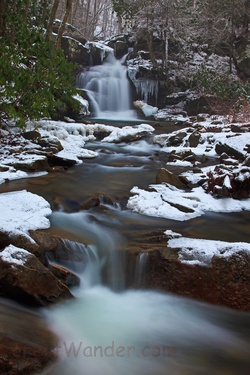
(108, 89)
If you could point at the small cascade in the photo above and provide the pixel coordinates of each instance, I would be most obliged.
(108, 89)
(102, 262)
(80, 259)
(141, 269)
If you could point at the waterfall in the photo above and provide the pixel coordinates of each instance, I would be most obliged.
(108, 89)
(140, 269)
(104, 261)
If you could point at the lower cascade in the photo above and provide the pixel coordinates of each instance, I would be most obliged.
(108, 89)
(108, 330)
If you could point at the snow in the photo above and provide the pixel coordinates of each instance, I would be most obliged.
(22, 211)
(118, 134)
(163, 200)
(14, 255)
(84, 105)
(198, 251)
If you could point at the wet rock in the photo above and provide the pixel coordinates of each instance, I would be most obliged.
(90, 203)
(4, 240)
(24, 279)
(65, 276)
(45, 240)
(225, 283)
(224, 148)
(166, 176)
(55, 160)
(34, 163)
(26, 343)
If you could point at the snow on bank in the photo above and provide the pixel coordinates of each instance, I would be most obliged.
(168, 202)
(197, 251)
(14, 255)
(22, 211)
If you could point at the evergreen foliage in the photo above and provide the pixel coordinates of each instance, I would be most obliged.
(35, 78)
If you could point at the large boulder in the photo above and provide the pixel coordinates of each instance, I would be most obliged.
(226, 282)
(74, 50)
(24, 279)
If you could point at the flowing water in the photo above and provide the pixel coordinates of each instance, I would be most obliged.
(108, 90)
(107, 329)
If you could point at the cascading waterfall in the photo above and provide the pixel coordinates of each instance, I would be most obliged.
(108, 89)
(137, 332)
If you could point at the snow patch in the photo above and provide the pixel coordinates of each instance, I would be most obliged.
(22, 211)
(14, 255)
(200, 252)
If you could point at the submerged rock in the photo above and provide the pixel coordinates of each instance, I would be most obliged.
(26, 343)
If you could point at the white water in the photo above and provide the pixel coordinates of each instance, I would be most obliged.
(108, 90)
(103, 332)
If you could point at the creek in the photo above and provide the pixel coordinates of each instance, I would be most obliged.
(109, 329)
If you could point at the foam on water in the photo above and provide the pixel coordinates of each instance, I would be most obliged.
(137, 332)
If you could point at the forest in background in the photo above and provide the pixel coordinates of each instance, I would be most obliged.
(37, 81)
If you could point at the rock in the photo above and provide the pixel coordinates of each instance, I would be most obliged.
(45, 240)
(194, 139)
(26, 243)
(4, 240)
(32, 135)
(49, 143)
(55, 160)
(247, 161)
(121, 48)
(224, 148)
(176, 139)
(33, 163)
(75, 50)
(65, 276)
(166, 176)
(26, 343)
(24, 279)
(225, 283)
(225, 182)
(90, 203)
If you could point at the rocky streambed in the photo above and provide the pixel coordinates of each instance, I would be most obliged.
(183, 170)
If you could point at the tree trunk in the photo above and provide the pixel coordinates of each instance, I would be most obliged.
(150, 49)
(26, 12)
(44, 12)
(64, 21)
(51, 19)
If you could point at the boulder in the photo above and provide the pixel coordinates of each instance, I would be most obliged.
(194, 139)
(66, 277)
(31, 163)
(170, 178)
(225, 283)
(26, 343)
(24, 279)
(221, 148)
(55, 160)
(75, 51)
